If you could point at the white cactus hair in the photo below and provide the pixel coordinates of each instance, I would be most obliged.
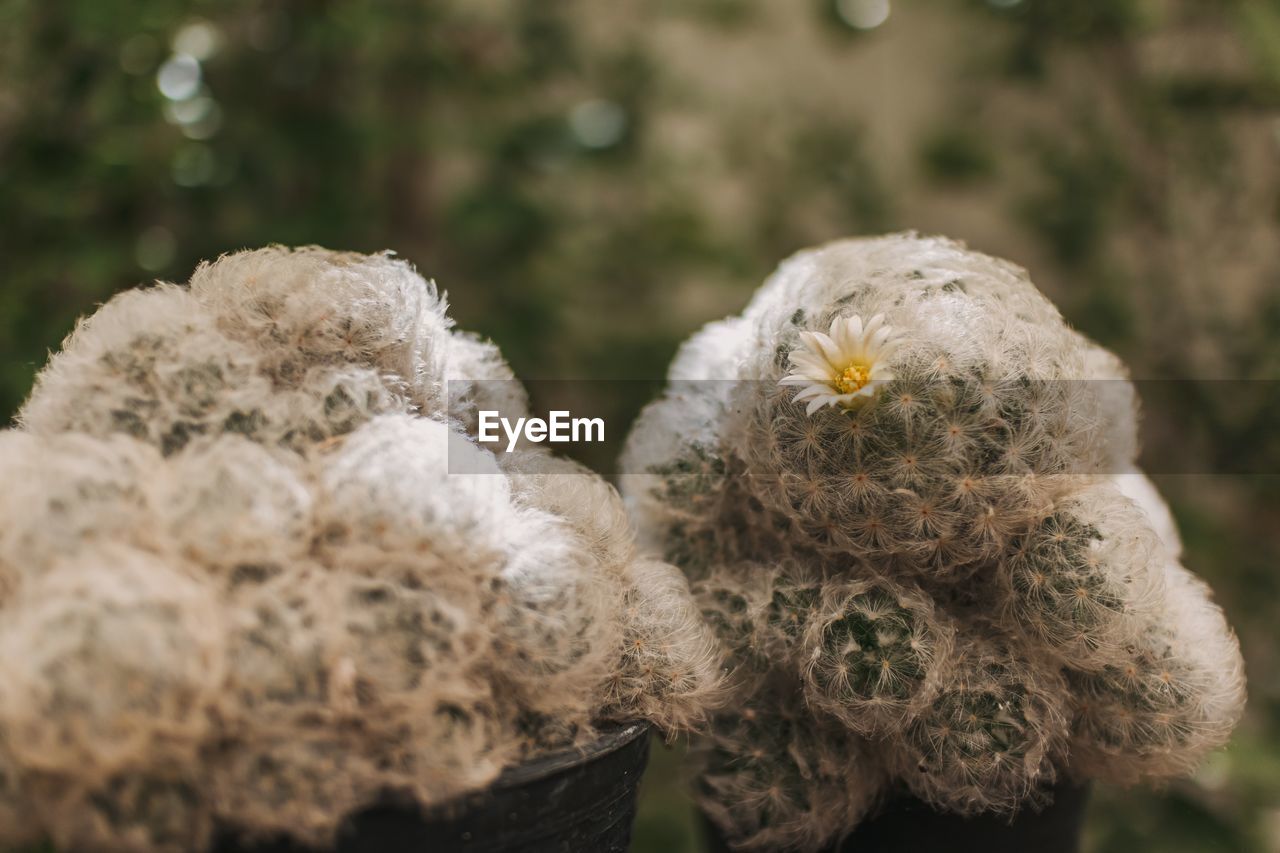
(989, 740)
(232, 502)
(989, 588)
(1154, 713)
(874, 653)
(555, 616)
(1109, 380)
(310, 306)
(672, 662)
(1084, 579)
(86, 489)
(1137, 487)
(147, 361)
(388, 489)
(110, 654)
(591, 507)
(478, 378)
(256, 571)
(281, 647)
(774, 777)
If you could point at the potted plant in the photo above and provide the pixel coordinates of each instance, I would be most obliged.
(904, 490)
(261, 589)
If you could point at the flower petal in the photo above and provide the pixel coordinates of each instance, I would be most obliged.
(809, 363)
(822, 345)
(811, 391)
(817, 403)
(877, 340)
(880, 372)
(847, 332)
(886, 350)
(810, 340)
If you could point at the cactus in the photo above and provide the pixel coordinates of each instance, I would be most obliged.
(86, 489)
(279, 643)
(875, 653)
(670, 677)
(1157, 708)
(256, 570)
(150, 809)
(903, 486)
(988, 740)
(1083, 577)
(235, 503)
(107, 654)
(774, 780)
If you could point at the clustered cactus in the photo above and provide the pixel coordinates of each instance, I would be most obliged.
(241, 588)
(904, 490)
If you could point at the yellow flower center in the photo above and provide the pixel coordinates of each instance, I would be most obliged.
(854, 378)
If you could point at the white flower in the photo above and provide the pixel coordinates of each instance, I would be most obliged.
(845, 368)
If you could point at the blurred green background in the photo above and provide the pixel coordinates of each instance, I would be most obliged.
(592, 181)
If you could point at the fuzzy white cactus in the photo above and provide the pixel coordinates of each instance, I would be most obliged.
(902, 484)
(87, 489)
(256, 571)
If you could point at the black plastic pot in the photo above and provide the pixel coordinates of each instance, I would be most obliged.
(908, 825)
(576, 801)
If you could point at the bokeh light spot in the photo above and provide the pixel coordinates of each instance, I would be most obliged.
(863, 14)
(598, 123)
(199, 117)
(179, 77)
(199, 39)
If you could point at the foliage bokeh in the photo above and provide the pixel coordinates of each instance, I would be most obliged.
(591, 182)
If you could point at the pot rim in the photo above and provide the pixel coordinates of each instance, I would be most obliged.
(609, 739)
